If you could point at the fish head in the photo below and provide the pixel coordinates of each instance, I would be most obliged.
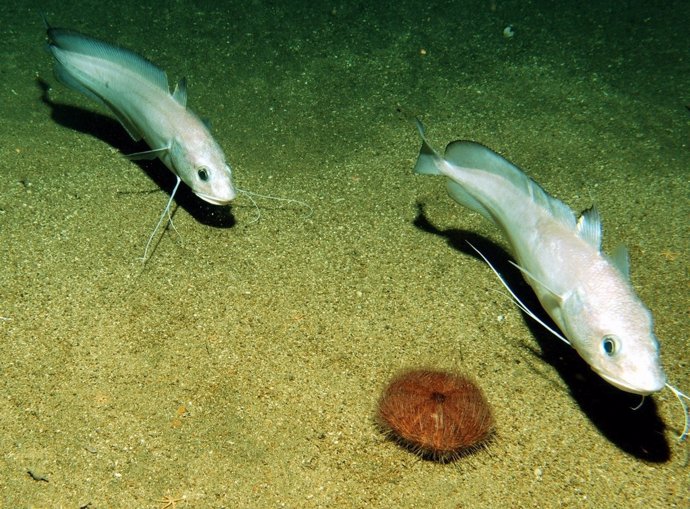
(201, 165)
(615, 336)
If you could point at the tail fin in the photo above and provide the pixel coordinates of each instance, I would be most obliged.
(427, 162)
(430, 162)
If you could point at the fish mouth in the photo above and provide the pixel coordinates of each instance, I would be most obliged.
(644, 387)
(216, 200)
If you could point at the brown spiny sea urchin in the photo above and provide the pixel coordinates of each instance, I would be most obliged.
(438, 415)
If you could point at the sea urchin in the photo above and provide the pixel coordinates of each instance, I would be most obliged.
(438, 415)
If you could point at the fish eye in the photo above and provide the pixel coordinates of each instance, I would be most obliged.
(202, 173)
(609, 345)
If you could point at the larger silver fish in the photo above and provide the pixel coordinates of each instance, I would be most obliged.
(587, 294)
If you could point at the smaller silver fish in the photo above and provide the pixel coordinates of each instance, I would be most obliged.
(587, 294)
(137, 93)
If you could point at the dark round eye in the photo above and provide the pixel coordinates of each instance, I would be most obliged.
(608, 343)
(203, 174)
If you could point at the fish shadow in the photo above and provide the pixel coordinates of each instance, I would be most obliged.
(636, 431)
(109, 130)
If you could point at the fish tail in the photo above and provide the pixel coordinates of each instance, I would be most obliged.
(429, 160)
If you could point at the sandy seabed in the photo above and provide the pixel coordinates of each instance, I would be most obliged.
(240, 366)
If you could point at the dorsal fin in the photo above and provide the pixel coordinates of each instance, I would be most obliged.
(180, 93)
(589, 227)
(620, 259)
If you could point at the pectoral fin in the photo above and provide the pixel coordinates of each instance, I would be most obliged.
(148, 154)
(554, 296)
(519, 303)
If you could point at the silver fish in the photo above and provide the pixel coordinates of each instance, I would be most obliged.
(137, 93)
(587, 294)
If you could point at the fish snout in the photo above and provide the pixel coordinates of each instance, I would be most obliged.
(219, 191)
(218, 198)
(642, 382)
